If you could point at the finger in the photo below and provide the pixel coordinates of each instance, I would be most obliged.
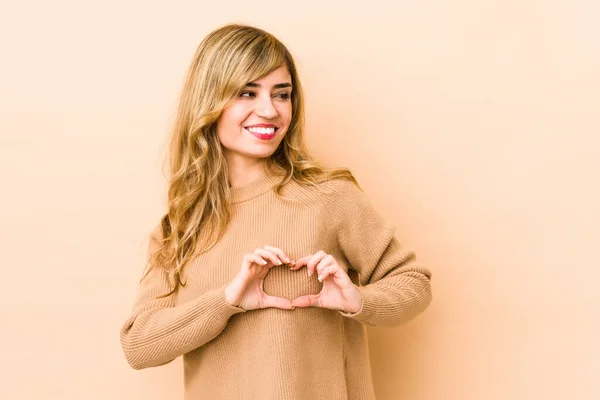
(280, 253)
(325, 262)
(254, 258)
(277, 302)
(267, 255)
(315, 259)
(330, 270)
(295, 266)
(299, 263)
(311, 300)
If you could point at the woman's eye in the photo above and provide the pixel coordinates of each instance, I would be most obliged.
(250, 94)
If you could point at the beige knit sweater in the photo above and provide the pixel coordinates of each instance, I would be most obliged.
(302, 354)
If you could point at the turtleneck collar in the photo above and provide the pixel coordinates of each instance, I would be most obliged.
(255, 188)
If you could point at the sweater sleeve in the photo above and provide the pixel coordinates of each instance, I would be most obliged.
(393, 286)
(158, 331)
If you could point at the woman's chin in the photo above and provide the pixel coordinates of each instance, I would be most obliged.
(259, 155)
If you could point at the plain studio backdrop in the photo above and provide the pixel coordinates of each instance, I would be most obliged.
(472, 125)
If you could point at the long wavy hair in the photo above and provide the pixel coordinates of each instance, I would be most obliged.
(198, 194)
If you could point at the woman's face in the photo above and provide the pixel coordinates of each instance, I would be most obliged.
(254, 123)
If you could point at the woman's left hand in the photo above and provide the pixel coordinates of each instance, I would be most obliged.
(338, 292)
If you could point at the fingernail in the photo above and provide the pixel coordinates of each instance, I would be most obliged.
(279, 262)
(320, 279)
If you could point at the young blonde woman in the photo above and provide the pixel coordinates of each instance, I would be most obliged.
(267, 266)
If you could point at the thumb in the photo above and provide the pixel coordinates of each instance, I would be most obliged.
(311, 300)
(277, 302)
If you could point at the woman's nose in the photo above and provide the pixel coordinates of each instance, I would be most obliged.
(266, 109)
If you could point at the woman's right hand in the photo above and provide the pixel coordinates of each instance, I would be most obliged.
(246, 289)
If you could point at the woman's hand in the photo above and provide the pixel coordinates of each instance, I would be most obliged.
(338, 292)
(246, 289)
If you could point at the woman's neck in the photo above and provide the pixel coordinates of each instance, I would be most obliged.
(242, 173)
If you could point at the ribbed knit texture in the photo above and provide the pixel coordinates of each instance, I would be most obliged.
(302, 354)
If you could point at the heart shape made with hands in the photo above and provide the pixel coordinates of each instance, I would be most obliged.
(337, 291)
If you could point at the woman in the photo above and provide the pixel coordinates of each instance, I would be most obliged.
(266, 267)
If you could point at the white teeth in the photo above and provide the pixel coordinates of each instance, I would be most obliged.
(264, 131)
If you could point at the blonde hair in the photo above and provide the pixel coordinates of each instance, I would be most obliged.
(198, 195)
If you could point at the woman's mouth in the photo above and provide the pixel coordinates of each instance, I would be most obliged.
(262, 133)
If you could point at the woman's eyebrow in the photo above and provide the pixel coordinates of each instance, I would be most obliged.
(276, 86)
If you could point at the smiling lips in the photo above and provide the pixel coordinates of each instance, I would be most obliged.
(262, 131)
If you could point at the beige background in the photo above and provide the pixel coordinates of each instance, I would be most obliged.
(473, 125)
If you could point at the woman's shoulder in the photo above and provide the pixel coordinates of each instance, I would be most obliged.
(330, 193)
(339, 186)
